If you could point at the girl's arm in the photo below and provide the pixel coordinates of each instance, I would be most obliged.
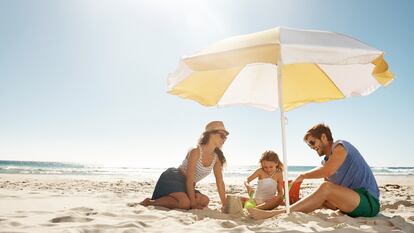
(218, 167)
(250, 178)
(192, 159)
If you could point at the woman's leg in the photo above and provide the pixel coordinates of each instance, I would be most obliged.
(178, 200)
(202, 200)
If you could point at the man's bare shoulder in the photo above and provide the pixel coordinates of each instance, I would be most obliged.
(339, 149)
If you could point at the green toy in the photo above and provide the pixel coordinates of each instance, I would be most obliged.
(290, 186)
(250, 203)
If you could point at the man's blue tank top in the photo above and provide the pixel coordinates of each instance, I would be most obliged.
(354, 172)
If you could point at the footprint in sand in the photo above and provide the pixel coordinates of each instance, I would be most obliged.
(229, 224)
(132, 225)
(138, 211)
(396, 204)
(15, 224)
(132, 204)
(109, 214)
(48, 224)
(84, 210)
(19, 216)
(69, 219)
(143, 224)
(399, 222)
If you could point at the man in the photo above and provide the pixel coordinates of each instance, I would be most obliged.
(349, 185)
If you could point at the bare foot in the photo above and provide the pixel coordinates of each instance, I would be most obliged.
(146, 202)
(262, 214)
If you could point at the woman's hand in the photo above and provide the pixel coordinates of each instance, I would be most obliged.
(224, 209)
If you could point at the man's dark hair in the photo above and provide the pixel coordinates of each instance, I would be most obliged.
(317, 131)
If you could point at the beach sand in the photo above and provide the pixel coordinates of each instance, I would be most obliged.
(47, 203)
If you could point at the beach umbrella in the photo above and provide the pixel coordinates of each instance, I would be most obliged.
(280, 68)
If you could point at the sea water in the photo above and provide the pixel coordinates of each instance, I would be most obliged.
(233, 173)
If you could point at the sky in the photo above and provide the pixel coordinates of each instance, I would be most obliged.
(85, 81)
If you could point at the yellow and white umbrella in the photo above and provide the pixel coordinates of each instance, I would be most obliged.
(280, 68)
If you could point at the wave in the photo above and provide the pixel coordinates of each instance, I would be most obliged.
(59, 168)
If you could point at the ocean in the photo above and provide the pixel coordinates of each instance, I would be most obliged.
(229, 173)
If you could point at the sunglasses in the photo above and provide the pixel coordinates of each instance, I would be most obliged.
(311, 142)
(222, 135)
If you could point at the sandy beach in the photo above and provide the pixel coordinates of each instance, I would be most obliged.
(50, 203)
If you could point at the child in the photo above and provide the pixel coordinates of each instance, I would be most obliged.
(269, 193)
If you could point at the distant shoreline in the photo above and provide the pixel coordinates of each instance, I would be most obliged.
(230, 172)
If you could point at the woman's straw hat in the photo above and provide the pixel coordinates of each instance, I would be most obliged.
(216, 125)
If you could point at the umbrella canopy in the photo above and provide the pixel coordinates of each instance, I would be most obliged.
(280, 68)
(316, 66)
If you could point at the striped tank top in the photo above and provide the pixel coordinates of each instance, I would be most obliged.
(200, 170)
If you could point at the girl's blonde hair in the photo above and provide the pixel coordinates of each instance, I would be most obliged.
(272, 156)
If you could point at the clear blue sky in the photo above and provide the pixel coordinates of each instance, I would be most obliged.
(85, 81)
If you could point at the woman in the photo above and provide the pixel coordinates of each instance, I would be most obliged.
(176, 186)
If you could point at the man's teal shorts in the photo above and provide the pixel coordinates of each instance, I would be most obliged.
(369, 206)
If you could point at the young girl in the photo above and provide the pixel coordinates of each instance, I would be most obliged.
(175, 189)
(269, 193)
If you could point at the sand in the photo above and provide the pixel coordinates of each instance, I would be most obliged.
(46, 203)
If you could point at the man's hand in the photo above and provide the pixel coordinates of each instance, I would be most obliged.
(300, 178)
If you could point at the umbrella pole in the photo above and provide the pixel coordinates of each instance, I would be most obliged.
(282, 125)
